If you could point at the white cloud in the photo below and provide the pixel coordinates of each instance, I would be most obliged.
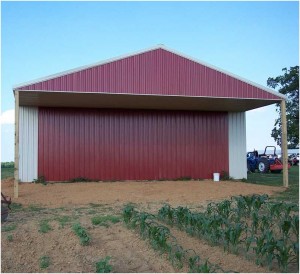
(7, 117)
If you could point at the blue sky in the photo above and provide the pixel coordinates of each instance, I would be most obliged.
(254, 40)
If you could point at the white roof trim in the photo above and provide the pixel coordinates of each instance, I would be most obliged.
(160, 46)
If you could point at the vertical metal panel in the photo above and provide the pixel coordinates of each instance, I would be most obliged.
(28, 143)
(131, 144)
(237, 145)
(153, 72)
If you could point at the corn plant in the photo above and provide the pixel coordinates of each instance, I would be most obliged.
(295, 225)
(128, 212)
(181, 215)
(161, 238)
(166, 213)
(232, 235)
(295, 249)
(222, 208)
(275, 209)
(284, 255)
(177, 255)
(269, 248)
(270, 229)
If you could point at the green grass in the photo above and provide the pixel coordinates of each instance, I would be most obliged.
(63, 220)
(96, 205)
(34, 208)
(44, 226)
(92, 211)
(8, 228)
(44, 262)
(103, 220)
(16, 206)
(273, 179)
(7, 172)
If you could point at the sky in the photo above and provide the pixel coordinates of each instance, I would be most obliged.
(254, 40)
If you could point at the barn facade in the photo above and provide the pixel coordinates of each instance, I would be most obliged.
(155, 114)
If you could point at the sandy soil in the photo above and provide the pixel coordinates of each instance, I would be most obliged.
(129, 253)
(175, 193)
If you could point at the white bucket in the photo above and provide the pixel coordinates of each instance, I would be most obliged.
(216, 177)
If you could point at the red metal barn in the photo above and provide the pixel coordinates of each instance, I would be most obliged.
(149, 115)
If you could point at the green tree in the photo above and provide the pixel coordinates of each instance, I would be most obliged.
(287, 84)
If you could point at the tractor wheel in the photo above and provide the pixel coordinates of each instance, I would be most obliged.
(250, 168)
(263, 165)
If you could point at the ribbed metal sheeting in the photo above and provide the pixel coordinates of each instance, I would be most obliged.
(154, 72)
(131, 144)
(28, 143)
(237, 145)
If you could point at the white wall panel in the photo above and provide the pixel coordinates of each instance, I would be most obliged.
(237, 145)
(28, 143)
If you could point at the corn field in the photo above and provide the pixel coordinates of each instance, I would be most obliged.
(162, 240)
(266, 231)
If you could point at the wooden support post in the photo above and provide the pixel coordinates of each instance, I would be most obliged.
(16, 171)
(284, 151)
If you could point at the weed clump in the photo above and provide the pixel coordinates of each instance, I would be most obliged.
(40, 180)
(224, 176)
(9, 238)
(44, 262)
(82, 234)
(81, 179)
(103, 266)
(8, 228)
(103, 220)
(44, 226)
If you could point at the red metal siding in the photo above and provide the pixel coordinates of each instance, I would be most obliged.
(131, 144)
(154, 72)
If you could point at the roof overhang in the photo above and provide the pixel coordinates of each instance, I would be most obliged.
(133, 101)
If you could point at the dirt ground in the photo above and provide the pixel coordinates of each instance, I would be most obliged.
(172, 192)
(79, 202)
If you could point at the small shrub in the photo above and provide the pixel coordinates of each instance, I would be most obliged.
(44, 226)
(9, 238)
(184, 178)
(224, 176)
(80, 179)
(44, 262)
(40, 180)
(244, 180)
(82, 234)
(103, 266)
(9, 228)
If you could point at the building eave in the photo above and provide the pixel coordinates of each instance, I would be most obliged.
(134, 101)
